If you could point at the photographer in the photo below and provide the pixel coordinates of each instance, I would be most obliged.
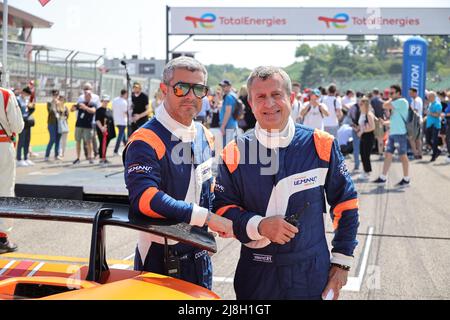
(83, 126)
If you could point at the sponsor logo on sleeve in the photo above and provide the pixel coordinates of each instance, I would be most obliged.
(138, 168)
(343, 169)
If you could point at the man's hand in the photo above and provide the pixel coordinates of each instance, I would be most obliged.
(337, 278)
(277, 230)
(221, 225)
(222, 131)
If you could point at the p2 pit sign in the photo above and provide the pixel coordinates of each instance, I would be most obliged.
(414, 66)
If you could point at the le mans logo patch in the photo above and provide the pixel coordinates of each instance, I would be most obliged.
(138, 168)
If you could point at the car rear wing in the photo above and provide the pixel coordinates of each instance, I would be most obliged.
(100, 215)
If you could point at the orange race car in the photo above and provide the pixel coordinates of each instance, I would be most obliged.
(39, 280)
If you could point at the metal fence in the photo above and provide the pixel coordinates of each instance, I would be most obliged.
(65, 70)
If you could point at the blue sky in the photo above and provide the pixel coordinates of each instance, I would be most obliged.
(92, 25)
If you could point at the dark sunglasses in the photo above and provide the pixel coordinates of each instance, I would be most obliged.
(181, 89)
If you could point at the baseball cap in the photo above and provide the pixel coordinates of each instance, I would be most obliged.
(224, 83)
(105, 97)
(315, 92)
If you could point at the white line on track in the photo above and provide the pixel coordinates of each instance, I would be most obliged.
(354, 283)
(223, 279)
(131, 256)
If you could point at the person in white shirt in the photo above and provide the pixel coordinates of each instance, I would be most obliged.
(95, 100)
(313, 113)
(417, 106)
(348, 100)
(344, 137)
(296, 103)
(120, 107)
(334, 106)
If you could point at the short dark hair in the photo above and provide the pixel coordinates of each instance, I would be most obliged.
(359, 94)
(348, 92)
(332, 88)
(123, 91)
(413, 90)
(26, 90)
(376, 91)
(397, 88)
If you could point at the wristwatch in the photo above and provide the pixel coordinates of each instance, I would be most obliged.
(341, 266)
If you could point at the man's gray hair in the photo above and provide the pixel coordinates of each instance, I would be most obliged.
(182, 62)
(266, 72)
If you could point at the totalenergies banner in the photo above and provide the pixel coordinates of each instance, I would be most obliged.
(309, 21)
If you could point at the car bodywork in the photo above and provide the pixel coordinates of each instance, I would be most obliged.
(22, 279)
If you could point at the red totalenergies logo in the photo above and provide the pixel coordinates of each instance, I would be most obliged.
(205, 21)
(338, 21)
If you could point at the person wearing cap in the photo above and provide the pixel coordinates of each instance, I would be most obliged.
(314, 112)
(273, 183)
(228, 125)
(168, 174)
(83, 126)
(11, 124)
(106, 131)
(95, 101)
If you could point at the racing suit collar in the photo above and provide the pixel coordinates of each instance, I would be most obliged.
(273, 140)
(182, 132)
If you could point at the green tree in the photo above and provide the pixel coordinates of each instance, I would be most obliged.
(303, 51)
(385, 42)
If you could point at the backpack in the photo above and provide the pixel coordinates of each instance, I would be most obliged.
(239, 108)
(413, 123)
(355, 113)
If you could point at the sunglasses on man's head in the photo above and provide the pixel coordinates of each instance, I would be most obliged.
(181, 89)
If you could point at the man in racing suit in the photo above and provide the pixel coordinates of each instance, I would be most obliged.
(11, 124)
(278, 172)
(168, 173)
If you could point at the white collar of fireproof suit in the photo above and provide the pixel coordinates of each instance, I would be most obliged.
(278, 139)
(182, 132)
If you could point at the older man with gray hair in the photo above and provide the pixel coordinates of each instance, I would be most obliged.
(277, 213)
(168, 174)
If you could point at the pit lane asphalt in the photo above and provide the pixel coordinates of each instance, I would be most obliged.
(409, 249)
